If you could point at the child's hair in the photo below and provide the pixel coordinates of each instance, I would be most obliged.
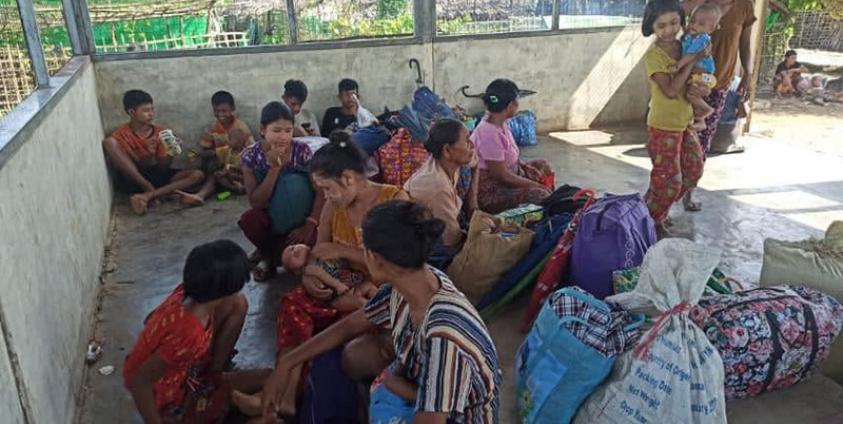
(706, 7)
(339, 155)
(133, 99)
(222, 98)
(215, 270)
(656, 8)
(348, 84)
(296, 89)
(444, 132)
(401, 231)
(790, 53)
(276, 111)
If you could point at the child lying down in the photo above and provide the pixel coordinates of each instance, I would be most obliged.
(350, 291)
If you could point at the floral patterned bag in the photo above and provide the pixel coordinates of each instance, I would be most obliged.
(769, 338)
(400, 158)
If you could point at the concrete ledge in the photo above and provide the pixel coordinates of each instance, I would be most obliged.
(18, 125)
(399, 40)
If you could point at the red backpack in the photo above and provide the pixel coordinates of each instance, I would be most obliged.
(557, 266)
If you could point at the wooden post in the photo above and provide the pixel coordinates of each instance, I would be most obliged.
(756, 62)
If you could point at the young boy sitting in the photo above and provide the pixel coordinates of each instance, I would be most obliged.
(223, 143)
(341, 117)
(175, 372)
(141, 159)
(295, 94)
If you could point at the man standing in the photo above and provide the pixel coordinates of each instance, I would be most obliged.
(729, 43)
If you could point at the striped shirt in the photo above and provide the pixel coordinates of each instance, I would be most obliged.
(451, 358)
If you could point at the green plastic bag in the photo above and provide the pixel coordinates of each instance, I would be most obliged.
(626, 279)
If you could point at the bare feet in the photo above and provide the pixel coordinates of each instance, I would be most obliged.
(662, 232)
(247, 404)
(191, 200)
(139, 203)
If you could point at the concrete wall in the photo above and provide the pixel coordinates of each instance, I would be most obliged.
(577, 75)
(53, 222)
(182, 87)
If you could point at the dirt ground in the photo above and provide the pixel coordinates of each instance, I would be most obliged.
(799, 123)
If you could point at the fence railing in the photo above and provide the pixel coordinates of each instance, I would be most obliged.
(142, 42)
(16, 78)
(818, 30)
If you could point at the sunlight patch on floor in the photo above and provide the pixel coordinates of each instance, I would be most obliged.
(818, 220)
(583, 138)
(785, 200)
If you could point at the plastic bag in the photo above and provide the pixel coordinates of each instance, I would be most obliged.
(674, 375)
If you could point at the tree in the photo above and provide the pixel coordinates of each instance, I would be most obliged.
(388, 9)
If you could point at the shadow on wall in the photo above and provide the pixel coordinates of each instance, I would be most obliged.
(581, 79)
(617, 64)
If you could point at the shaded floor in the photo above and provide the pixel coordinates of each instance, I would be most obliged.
(771, 191)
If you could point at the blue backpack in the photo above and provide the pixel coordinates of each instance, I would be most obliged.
(425, 108)
(523, 127)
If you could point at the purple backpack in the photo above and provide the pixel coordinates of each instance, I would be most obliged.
(614, 233)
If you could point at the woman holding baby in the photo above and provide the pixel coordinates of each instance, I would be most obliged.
(334, 276)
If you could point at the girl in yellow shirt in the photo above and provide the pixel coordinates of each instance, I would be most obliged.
(673, 147)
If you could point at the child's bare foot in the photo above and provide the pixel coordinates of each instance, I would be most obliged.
(139, 203)
(247, 404)
(662, 232)
(287, 409)
(188, 199)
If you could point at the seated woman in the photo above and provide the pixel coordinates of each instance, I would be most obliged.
(262, 163)
(444, 352)
(435, 184)
(505, 181)
(788, 75)
(338, 169)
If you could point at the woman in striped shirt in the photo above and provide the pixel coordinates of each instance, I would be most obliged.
(443, 352)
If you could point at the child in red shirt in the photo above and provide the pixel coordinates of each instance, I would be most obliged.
(175, 371)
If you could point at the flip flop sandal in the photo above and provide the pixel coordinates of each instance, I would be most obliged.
(692, 206)
(263, 272)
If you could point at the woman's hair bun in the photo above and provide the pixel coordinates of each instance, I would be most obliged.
(340, 137)
(403, 232)
(429, 229)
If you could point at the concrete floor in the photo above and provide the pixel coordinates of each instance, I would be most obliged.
(770, 191)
